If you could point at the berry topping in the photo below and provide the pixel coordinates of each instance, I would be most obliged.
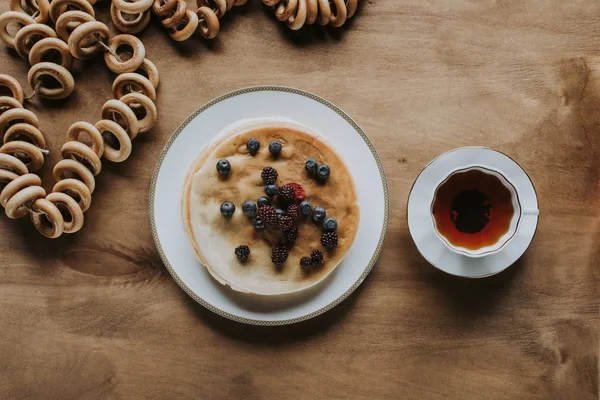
(253, 145)
(317, 257)
(285, 222)
(269, 175)
(305, 208)
(271, 190)
(279, 255)
(306, 262)
(293, 211)
(263, 201)
(318, 214)
(242, 252)
(258, 223)
(223, 167)
(227, 208)
(279, 212)
(323, 172)
(311, 165)
(275, 147)
(330, 225)
(299, 193)
(268, 215)
(291, 234)
(249, 208)
(329, 240)
(286, 193)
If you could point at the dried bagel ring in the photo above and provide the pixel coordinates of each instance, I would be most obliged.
(55, 71)
(63, 168)
(17, 205)
(12, 17)
(162, 8)
(68, 204)
(324, 12)
(69, 21)
(47, 219)
(83, 31)
(129, 82)
(29, 35)
(58, 7)
(285, 9)
(7, 176)
(17, 115)
(208, 22)
(135, 25)
(137, 58)
(219, 7)
(41, 48)
(11, 84)
(297, 20)
(134, 7)
(338, 18)
(77, 190)
(17, 185)
(82, 153)
(312, 11)
(112, 153)
(151, 72)
(28, 153)
(8, 103)
(191, 23)
(130, 124)
(146, 123)
(84, 127)
(351, 7)
(42, 7)
(176, 17)
(26, 133)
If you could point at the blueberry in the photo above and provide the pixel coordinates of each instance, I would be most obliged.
(323, 172)
(253, 145)
(330, 225)
(311, 165)
(263, 201)
(318, 214)
(227, 208)
(305, 208)
(271, 190)
(258, 223)
(249, 208)
(275, 147)
(223, 167)
(279, 212)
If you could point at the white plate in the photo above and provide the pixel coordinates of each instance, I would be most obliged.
(421, 225)
(200, 129)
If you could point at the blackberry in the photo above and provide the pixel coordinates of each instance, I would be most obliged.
(249, 208)
(285, 222)
(286, 192)
(319, 214)
(227, 208)
(305, 208)
(242, 252)
(258, 223)
(323, 172)
(317, 257)
(268, 215)
(306, 262)
(291, 235)
(269, 175)
(271, 190)
(329, 240)
(293, 211)
(223, 167)
(311, 165)
(253, 145)
(275, 147)
(263, 201)
(330, 225)
(279, 255)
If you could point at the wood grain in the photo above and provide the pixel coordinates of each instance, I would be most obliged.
(96, 315)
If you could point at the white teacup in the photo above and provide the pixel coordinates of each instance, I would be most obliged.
(516, 218)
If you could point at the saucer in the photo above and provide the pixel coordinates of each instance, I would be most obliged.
(420, 222)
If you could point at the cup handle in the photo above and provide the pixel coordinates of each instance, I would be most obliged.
(531, 211)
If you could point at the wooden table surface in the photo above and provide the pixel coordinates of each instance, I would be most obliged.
(96, 315)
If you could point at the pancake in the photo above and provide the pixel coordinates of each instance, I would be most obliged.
(214, 237)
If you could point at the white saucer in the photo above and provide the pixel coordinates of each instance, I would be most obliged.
(203, 127)
(421, 226)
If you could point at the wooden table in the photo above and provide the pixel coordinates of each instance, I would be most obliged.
(96, 315)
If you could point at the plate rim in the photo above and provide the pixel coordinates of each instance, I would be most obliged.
(226, 96)
(452, 151)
